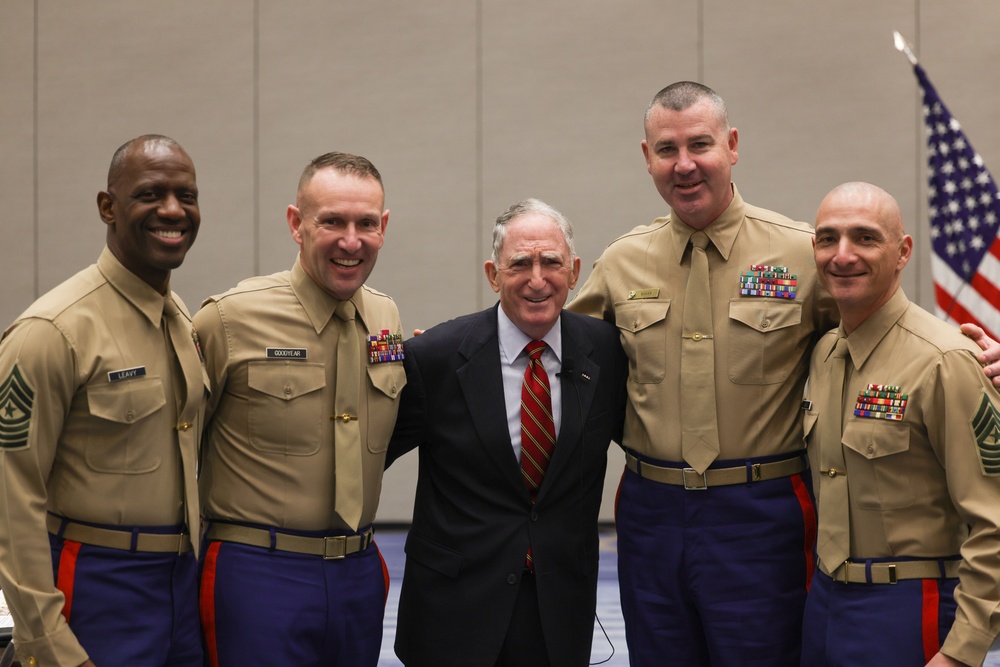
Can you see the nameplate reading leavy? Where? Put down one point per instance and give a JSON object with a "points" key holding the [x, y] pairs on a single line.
{"points": [[127, 374]]}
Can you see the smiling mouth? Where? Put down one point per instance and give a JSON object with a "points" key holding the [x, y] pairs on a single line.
{"points": [[346, 263], [172, 234], [687, 186], [538, 300]]}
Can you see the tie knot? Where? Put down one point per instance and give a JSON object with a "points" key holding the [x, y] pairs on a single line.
{"points": [[345, 310], [535, 349], [841, 349], [699, 240]]}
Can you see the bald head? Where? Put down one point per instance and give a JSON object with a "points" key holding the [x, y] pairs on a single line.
{"points": [[860, 249]]}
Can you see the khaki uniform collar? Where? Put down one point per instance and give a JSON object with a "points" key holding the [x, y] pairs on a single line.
{"points": [[722, 231], [133, 288], [863, 340], [317, 303]]}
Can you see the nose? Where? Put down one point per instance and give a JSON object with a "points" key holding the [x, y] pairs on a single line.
{"points": [[350, 242], [845, 252], [536, 279], [170, 207], [684, 164]]}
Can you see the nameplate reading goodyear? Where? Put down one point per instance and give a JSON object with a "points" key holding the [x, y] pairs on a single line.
{"points": [[772, 281], [649, 293], [287, 353], [881, 401], [385, 347], [127, 374]]}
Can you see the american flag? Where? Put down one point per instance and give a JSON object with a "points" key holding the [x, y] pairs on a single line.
{"points": [[964, 215]]}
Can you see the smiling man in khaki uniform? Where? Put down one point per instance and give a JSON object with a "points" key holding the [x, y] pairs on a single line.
{"points": [[305, 368], [101, 399], [902, 429]]}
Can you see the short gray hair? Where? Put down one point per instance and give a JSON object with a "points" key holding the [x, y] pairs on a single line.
{"points": [[683, 94], [524, 207]]}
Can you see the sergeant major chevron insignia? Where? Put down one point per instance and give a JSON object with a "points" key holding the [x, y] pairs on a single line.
{"points": [[986, 427], [17, 400]]}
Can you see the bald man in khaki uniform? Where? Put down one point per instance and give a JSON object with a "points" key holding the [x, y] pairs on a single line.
{"points": [[902, 429], [293, 464], [102, 395]]}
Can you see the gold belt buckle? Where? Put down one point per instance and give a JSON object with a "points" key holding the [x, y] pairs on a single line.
{"points": [[339, 553], [688, 487]]}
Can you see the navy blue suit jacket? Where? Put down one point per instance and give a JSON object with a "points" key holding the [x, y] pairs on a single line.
{"points": [[473, 519]]}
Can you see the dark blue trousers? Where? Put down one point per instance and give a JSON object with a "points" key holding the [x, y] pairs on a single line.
{"points": [[130, 608], [715, 577], [881, 625], [262, 607]]}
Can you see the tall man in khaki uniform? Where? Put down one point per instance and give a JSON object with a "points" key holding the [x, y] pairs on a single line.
{"points": [[101, 403], [305, 369], [902, 429], [715, 521]]}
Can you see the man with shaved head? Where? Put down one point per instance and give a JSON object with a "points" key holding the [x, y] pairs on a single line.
{"points": [[902, 428], [102, 396]]}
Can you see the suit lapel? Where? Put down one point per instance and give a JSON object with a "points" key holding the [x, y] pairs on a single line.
{"points": [[578, 391], [482, 389]]}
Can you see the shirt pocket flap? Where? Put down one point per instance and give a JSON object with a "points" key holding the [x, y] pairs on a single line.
{"points": [[389, 378], [126, 402], [876, 438], [433, 556], [287, 380], [634, 316], [764, 315]]}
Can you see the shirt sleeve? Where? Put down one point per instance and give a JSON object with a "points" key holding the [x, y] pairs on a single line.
{"points": [[594, 298], [38, 372], [964, 427]]}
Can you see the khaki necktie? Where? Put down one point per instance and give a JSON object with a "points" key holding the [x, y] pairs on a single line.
{"points": [[187, 402], [699, 419], [833, 541], [349, 487]]}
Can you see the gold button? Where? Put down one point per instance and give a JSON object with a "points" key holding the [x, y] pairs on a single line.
{"points": [[288, 390], [393, 390], [871, 449], [696, 336], [765, 324], [32, 662], [129, 416], [832, 472], [183, 426]]}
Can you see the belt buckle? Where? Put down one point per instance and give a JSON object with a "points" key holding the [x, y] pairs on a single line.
{"points": [[340, 552], [688, 487], [892, 573]]}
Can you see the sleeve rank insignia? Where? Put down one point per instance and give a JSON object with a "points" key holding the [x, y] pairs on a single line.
{"points": [[986, 427], [17, 399]]}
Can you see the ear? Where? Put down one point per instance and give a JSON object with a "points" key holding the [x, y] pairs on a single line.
{"points": [[734, 142], [294, 217], [385, 223], [575, 275], [905, 251], [106, 207], [645, 155], [492, 274]]}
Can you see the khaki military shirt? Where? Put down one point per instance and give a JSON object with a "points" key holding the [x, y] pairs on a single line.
{"points": [[761, 342], [269, 456], [100, 414], [925, 484]]}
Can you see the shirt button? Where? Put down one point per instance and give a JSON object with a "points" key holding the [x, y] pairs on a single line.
{"points": [[129, 416], [288, 391], [765, 323], [511, 578], [871, 449], [534, 516], [393, 390]]}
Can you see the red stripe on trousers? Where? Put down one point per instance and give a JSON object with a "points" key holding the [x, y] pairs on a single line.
{"points": [[67, 574], [206, 603], [929, 619], [385, 576], [808, 525]]}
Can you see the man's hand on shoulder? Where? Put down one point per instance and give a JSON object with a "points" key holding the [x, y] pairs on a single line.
{"points": [[941, 660], [990, 357]]}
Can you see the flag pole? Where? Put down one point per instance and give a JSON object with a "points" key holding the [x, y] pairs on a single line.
{"points": [[903, 47]]}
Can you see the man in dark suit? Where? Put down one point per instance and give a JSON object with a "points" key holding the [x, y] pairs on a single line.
{"points": [[501, 564]]}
